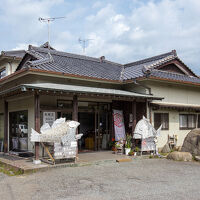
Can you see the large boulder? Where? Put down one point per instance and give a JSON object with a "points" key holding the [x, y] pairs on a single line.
{"points": [[180, 156], [192, 142], [166, 149]]}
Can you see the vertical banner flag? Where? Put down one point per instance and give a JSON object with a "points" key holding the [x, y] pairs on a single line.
{"points": [[119, 125]]}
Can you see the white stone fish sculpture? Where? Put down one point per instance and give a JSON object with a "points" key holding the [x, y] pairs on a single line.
{"points": [[144, 129], [148, 134], [57, 133]]}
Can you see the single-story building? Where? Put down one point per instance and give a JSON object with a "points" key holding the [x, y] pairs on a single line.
{"points": [[46, 84]]}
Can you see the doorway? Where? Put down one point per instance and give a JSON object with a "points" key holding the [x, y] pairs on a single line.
{"points": [[94, 125]]}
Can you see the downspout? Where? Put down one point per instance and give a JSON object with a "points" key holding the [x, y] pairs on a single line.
{"points": [[10, 68]]}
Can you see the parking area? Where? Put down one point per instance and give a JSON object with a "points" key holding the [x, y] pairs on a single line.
{"points": [[139, 179]]}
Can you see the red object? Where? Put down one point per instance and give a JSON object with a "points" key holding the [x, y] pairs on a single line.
{"points": [[113, 139], [118, 120]]}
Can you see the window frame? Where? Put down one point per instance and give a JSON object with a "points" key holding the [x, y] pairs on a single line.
{"points": [[188, 128], [162, 120]]}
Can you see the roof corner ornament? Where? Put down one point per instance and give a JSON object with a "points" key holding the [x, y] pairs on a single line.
{"points": [[102, 59], [146, 70], [174, 52]]}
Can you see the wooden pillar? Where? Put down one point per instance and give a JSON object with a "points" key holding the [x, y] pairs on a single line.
{"points": [[5, 126], [95, 131], [37, 122], [150, 113], [134, 116], [75, 116], [112, 122], [75, 108], [146, 108]]}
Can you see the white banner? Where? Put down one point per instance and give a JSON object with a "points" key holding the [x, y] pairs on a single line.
{"points": [[119, 125]]}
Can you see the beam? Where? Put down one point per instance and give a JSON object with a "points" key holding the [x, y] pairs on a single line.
{"points": [[37, 122], [5, 126]]}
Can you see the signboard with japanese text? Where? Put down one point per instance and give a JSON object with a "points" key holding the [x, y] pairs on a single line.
{"points": [[119, 125], [49, 117]]}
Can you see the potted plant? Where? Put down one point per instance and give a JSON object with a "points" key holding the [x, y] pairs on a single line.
{"points": [[111, 145], [128, 144], [137, 150], [131, 153]]}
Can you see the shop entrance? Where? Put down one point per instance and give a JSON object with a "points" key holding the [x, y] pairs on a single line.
{"points": [[94, 125], [18, 131]]}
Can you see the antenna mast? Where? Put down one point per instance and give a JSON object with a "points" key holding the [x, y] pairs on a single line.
{"points": [[48, 20], [84, 43]]}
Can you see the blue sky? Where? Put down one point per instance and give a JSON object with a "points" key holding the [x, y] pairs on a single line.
{"points": [[121, 30]]}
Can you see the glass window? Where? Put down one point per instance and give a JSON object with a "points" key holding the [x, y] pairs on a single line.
{"points": [[183, 121], [18, 130], [187, 121], [161, 118]]}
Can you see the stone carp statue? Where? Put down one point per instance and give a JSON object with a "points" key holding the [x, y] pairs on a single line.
{"points": [[60, 132]]}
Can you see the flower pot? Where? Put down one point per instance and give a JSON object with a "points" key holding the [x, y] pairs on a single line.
{"points": [[114, 149], [135, 153], [127, 150]]}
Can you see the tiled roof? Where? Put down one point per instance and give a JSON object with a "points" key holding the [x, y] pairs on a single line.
{"points": [[73, 64], [173, 76], [17, 53], [148, 68], [139, 68], [52, 60]]}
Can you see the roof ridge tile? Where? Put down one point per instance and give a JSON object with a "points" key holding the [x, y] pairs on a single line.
{"points": [[172, 53], [76, 56]]}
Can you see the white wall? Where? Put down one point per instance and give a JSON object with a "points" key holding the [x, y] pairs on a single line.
{"points": [[173, 127], [10, 67], [174, 93]]}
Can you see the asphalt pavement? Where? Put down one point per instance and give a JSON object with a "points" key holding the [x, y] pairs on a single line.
{"points": [[139, 179]]}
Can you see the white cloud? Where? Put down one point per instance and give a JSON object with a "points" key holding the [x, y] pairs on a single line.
{"points": [[151, 28], [22, 46], [21, 16], [123, 35]]}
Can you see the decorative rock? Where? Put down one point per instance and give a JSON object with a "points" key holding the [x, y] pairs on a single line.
{"points": [[166, 149], [180, 156], [192, 142], [197, 158], [37, 162]]}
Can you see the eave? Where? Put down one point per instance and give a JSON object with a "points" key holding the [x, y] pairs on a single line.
{"points": [[168, 80]]}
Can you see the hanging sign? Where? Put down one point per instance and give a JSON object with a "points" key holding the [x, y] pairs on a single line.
{"points": [[119, 125], [49, 117]]}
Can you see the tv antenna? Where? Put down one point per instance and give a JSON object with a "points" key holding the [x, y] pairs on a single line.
{"points": [[48, 20], [84, 43]]}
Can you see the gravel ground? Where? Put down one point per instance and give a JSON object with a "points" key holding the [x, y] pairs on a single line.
{"points": [[140, 179]]}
